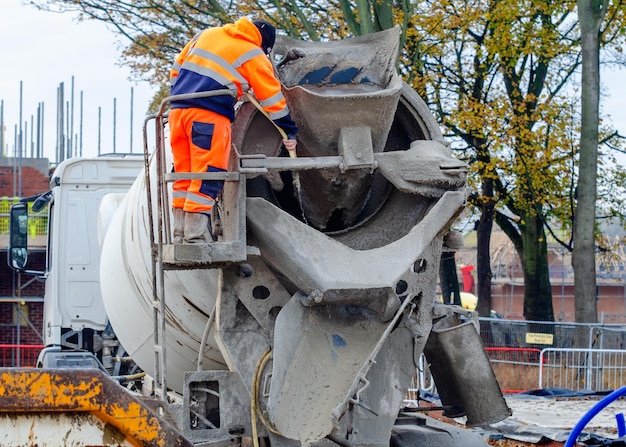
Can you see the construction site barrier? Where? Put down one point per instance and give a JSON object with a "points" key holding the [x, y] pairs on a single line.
{"points": [[24, 356], [497, 332], [582, 369], [516, 369], [530, 355], [422, 381], [37, 222], [514, 346]]}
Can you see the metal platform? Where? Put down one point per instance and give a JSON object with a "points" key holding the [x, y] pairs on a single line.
{"points": [[202, 256]]}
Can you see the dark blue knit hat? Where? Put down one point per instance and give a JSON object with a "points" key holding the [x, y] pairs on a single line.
{"points": [[268, 35]]}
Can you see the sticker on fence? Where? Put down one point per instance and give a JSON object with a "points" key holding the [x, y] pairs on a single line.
{"points": [[534, 338]]}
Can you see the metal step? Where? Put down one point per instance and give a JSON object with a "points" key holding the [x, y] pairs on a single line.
{"points": [[203, 256]]}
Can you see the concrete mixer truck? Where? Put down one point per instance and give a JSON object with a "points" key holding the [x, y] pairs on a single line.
{"points": [[303, 324]]}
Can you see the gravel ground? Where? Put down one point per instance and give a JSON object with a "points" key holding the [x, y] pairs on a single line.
{"points": [[540, 420], [564, 413], [550, 418]]}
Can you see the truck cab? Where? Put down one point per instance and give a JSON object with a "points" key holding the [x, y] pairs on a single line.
{"points": [[84, 194]]}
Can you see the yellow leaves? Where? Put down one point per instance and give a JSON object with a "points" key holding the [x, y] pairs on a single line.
{"points": [[527, 145], [453, 22], [531, 27], [448, 18]]}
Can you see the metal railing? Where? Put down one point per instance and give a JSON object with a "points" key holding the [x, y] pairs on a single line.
{"points": [[5, 206], [421, 381], [497, 332], [582, 369], [529, 355], [516, 369], [37, 222], [23, 356]]}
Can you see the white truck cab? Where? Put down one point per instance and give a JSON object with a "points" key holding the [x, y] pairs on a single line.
{"points": [[83, 197]]}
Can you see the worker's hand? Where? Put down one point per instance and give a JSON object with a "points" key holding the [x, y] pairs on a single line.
{"points": [[290, 144]]}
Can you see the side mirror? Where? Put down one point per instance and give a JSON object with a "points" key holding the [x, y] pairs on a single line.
{"points": [[18, 236], [41, 201]]}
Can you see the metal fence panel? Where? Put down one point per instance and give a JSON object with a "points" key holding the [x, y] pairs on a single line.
{"points": [[608, 337], [527, 355], [421, 381], [516, 369], [575, 356], [24, 356], [37, 222], [537, 334], [582, 369]]}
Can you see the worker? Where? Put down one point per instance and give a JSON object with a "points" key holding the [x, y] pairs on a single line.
{"points": [[468, 278], [233, 57]]}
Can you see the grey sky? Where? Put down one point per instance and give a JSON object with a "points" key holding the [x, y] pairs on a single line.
{"points": [[43, 49]]}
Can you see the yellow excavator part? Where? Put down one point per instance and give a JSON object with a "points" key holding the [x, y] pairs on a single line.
{"points": [[55, 400]]}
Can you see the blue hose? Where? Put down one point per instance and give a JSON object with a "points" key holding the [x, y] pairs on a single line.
{"points": [[621, 425], [578, 428]]}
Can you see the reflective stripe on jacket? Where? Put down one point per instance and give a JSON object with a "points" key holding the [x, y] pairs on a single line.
{"points": [[229, 57]]}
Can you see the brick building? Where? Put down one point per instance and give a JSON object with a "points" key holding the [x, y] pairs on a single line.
{"points": [[507, 282], [21, 295]]}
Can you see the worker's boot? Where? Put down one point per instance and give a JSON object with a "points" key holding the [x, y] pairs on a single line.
{"points": [[198, 228], [179, 225]]}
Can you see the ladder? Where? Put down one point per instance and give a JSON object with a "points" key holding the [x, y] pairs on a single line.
{"points": [[228, 218]]}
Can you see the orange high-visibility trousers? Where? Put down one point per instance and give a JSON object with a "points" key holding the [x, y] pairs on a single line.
{"points": [[200, 141]]}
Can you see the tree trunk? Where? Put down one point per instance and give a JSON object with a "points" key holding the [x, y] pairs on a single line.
{"points": [[590, 14], [483, 248], [449, 279], [537, 287]]}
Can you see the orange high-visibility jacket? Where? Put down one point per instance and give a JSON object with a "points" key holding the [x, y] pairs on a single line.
{"points": [[229, 57]]}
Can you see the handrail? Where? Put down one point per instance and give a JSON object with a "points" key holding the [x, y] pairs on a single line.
{"points": [[163, 227], [588, 367], [20, 355]]}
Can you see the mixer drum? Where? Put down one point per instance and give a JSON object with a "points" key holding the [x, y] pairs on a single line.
{"points": [[338, 203], [126, 283]]}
